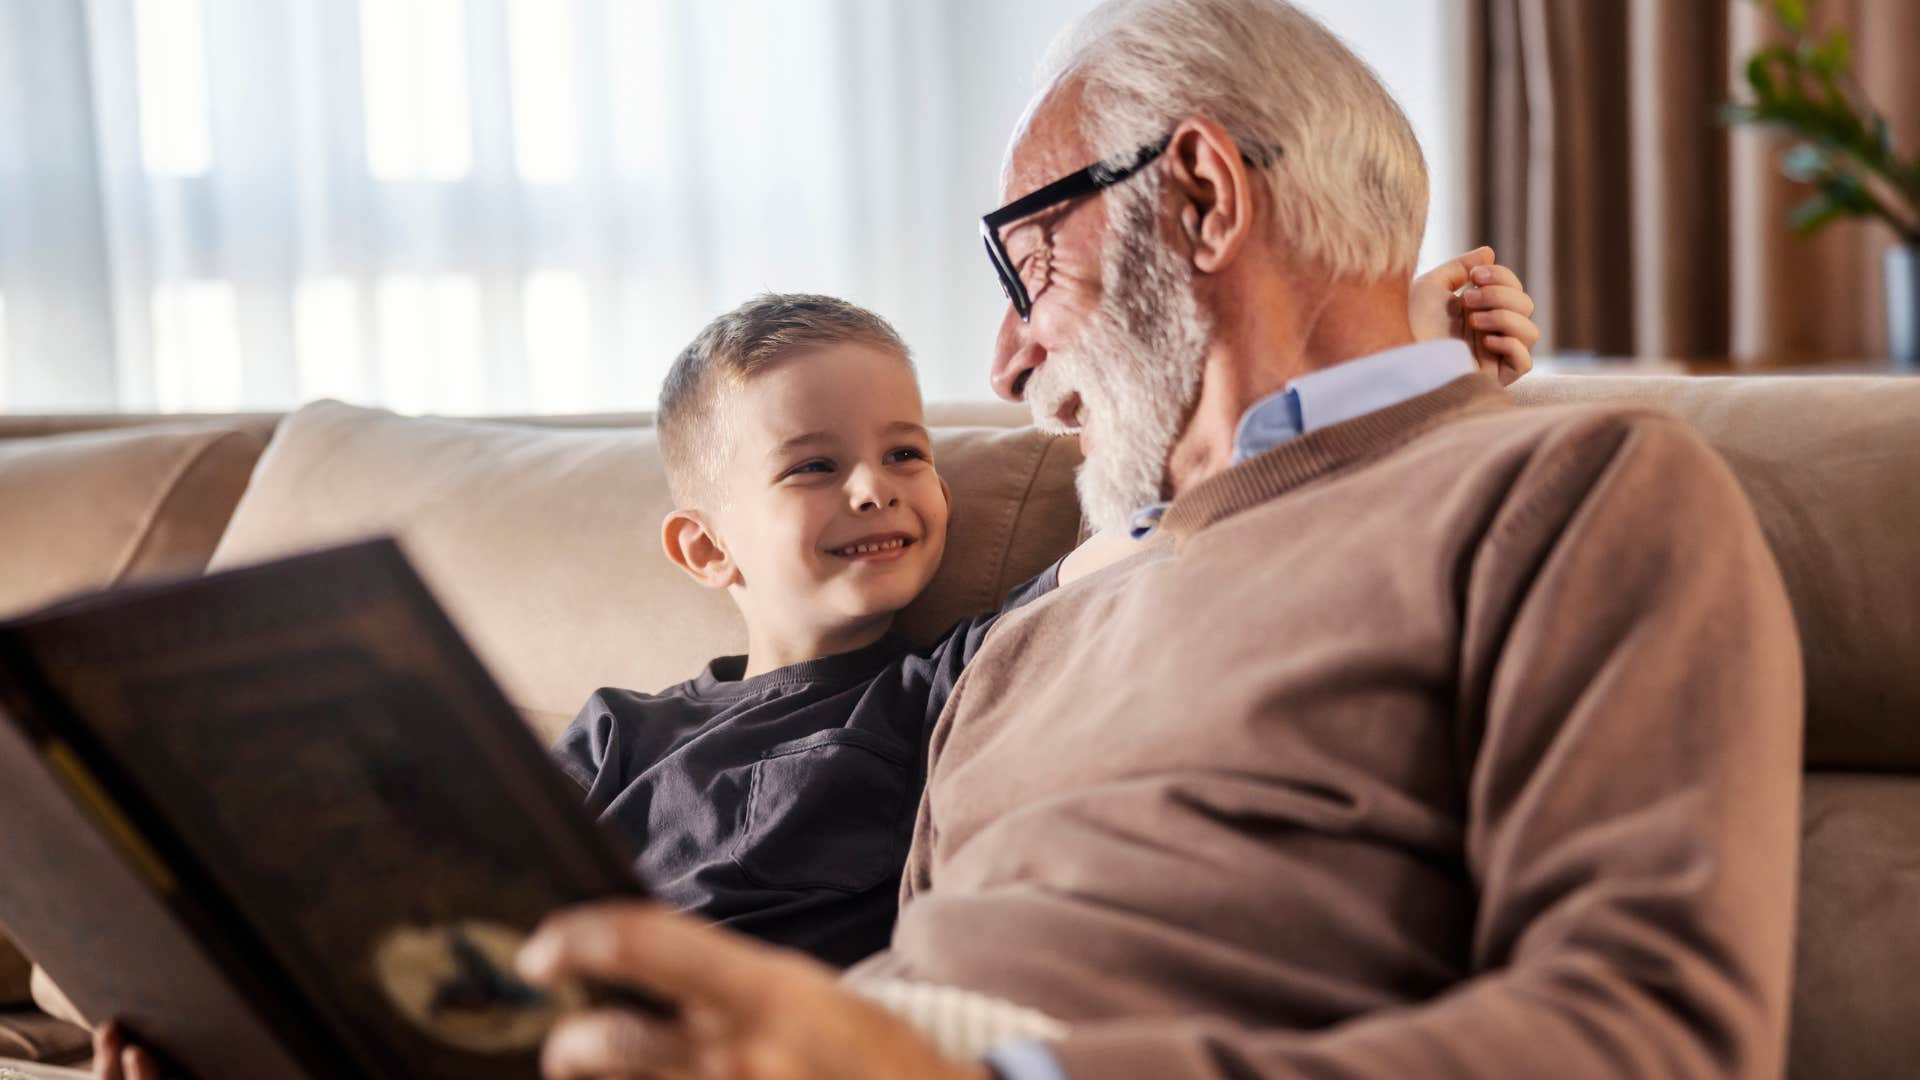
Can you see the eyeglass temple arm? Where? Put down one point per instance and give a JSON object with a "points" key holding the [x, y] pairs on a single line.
{"points": [[1097, 176]]}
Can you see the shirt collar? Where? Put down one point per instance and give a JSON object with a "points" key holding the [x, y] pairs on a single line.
{"points": [[1344, 391], [1332, 395]]}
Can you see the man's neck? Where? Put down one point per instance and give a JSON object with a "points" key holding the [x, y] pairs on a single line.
{"points": [[772, 648], [1279, 337]]}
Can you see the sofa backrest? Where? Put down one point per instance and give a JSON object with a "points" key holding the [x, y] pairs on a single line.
{"points": [[86, 509], [544, 543]]}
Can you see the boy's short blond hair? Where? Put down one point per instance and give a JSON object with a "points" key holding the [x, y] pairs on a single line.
{"points": [[692, 420]]}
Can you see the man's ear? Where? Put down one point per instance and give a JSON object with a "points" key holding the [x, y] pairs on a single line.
{"points": [[695, 547], [1215, 193]]}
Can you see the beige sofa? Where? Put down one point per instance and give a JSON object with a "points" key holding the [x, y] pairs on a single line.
{"points": [[539, 535]]}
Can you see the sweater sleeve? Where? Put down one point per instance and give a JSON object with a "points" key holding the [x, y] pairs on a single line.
{"points": [[1629, 746]]}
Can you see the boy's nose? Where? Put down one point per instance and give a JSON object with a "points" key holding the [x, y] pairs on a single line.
{"points": [[871, 489]]}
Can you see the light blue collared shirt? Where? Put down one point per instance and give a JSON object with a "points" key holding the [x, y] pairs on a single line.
{"points": [[1313, 401], [1331, 395]]}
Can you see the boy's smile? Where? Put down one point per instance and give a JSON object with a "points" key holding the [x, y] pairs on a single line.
{"points": [[879, 547]]}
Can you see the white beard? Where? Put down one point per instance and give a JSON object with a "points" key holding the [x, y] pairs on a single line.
{"points": [[1136, 366]]}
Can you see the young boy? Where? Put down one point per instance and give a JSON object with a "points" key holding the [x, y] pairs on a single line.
{"points": [[776, 791]]}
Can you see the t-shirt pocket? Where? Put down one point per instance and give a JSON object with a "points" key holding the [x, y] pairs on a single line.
{"points": [[828, 812]]}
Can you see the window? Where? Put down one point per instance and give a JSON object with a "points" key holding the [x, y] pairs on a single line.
{"points": [[430, 356], [169, 41], [414, 60], [546, 120], [196, 347], [512, 205]]}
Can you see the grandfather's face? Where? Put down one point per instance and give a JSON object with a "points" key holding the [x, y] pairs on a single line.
{"points": [[1116, 342]]}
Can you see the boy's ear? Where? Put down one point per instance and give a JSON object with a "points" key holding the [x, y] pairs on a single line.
{"points": [[695, 548], [945, 493]]}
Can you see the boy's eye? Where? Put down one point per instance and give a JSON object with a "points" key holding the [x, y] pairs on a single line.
{"points": [[817, 465], [906, 453]]}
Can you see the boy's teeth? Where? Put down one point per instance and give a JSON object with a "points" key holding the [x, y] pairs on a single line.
{"points": [[862, 549]]}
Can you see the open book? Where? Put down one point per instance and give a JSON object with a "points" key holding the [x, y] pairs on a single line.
{"points": [[282, 823]]}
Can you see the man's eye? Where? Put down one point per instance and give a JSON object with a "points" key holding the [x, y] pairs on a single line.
{"points": [[906, 453], [1032, 269]]}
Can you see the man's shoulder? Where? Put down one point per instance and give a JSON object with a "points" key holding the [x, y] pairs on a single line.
{"points": [[1587, 429], [1568, 465], [1539, 455]]}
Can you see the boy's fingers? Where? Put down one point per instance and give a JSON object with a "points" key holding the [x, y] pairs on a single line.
{"points": [[1511, 358], [647, 946], [1496, 274], [1498, 296], [1510, 323], [611, 1042], [1456, 272]]}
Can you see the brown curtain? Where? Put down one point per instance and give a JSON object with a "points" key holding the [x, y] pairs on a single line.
{"points": [[1640, 224]]}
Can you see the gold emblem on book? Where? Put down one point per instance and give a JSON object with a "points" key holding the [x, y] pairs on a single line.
{"points": [[456, 983]]}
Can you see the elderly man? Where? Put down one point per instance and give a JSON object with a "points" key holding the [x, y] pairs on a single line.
{"points": [[1442, 738]]}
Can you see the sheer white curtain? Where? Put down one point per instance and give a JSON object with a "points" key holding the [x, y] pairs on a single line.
{"points": [[493, 205]]}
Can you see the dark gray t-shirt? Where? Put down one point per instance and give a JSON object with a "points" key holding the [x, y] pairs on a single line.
{"points": [[780, 805]]}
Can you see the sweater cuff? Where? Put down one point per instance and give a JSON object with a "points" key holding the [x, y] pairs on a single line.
{"points": [[1024, 1061]]}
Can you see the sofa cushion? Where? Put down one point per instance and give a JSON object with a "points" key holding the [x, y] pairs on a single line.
{"points": [[1857, 947], [543, 543], [1830, 464], [86, 510]]}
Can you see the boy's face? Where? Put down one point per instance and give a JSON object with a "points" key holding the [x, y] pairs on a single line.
{"points": [[832, 510]]}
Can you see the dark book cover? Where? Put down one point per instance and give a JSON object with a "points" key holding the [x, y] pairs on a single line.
{"points": [[281, 821]]}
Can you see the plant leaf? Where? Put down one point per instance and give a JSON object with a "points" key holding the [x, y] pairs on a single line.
{"points": [[1845, 191], [1813, 213], [1806, 163]]}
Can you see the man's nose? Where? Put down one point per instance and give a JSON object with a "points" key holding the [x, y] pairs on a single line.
{"points": [[1016, 357]]}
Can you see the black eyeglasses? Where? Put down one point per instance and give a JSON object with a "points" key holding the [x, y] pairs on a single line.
{"points": [[1085, 182]]}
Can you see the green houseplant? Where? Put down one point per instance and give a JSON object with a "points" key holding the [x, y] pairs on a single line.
{"points": [[1843, 149]]}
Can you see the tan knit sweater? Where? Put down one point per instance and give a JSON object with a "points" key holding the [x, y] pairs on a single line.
{"points": [[1454, 740]]}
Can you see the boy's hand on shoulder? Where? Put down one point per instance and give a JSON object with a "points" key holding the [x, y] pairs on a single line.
{"points": [[1473, 298]]}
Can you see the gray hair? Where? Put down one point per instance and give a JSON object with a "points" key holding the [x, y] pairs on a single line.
{"points": [[1350, 185]]}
